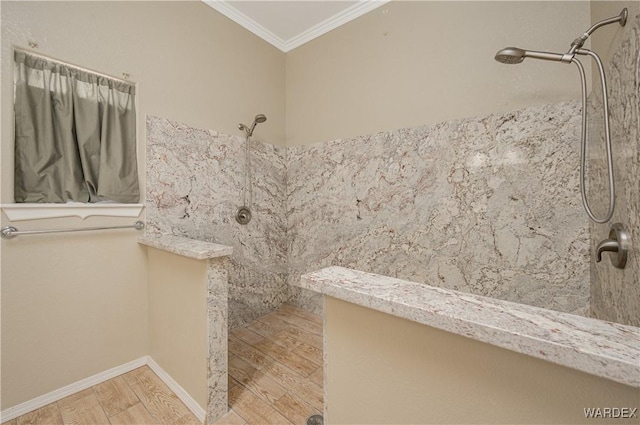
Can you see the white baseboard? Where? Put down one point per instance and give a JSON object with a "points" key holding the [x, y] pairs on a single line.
{"points": [[60, 393], [195, 408], [83, 384]]}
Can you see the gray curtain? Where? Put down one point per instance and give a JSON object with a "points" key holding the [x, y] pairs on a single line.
{"points": [[75, 134]]}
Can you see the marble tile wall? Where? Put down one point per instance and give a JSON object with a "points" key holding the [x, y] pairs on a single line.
{"points": [[194, 186], [487, 205], [615, 293], [217, 359]]}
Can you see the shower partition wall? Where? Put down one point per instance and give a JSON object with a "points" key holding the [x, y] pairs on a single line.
{"points": [[194, 186]]}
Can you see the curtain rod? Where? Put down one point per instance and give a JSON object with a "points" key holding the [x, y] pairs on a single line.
{"points": [[80, 68], [10, 232]]}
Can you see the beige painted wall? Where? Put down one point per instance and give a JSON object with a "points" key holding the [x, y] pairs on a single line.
{"points": [[178, 320], [73, 306], [383, 369], [411, 63]]}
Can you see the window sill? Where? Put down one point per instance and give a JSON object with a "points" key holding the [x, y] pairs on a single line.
{"points": [[20, 212]]}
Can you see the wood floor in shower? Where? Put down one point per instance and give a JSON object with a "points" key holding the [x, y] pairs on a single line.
{"points": [[275, 369], [275, 377]]}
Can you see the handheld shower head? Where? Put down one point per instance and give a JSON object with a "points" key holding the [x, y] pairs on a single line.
{"points": [[512, 55], [259, 119]]}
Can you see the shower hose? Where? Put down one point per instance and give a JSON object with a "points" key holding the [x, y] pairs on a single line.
{"points": [[607, 135]]}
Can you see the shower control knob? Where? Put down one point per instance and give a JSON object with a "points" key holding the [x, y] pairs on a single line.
{"points": [[243, 215], [617, 244]]}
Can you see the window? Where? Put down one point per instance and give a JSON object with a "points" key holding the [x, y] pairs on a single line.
{"points": [[75, 134]]}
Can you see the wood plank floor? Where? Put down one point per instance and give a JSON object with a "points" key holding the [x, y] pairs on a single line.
{"points": [[138, 397], [275, 369], [275, 377]]}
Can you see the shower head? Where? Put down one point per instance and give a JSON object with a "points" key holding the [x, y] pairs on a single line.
{"points": [[259, 119], [512, 55]]}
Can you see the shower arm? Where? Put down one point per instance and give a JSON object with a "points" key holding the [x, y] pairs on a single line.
{"points": [[579, 42], [513, 55]]}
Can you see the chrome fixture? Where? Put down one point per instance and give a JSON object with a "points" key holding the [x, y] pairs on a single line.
{"points": [[579, 42], [10, 232], [513, 55], [243, 214], [259, 119], [618, 243]]}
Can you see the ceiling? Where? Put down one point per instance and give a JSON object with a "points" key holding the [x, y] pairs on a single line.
{"points": [[287, 24]]}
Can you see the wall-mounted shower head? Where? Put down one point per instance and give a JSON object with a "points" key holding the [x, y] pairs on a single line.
{"points": [[512, 55], [259, 119]]}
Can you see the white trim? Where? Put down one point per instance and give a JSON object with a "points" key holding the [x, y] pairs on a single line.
{"points": [[60, 393], [195, 408], [243, 20], [317, 30], [347, 15], [20, 212], [83, 384]]}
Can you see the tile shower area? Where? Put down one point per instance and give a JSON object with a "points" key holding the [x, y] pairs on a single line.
{"points": [[461, 204], [488, 205]]}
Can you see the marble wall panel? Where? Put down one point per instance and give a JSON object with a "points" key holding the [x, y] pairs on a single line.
{"points": [[487, 205], [614, 292], [194, 186], [217, 360]]}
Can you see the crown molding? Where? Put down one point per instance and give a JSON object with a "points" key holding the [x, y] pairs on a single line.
{"points": [[347, 15], [333, 22], [243, 20]]}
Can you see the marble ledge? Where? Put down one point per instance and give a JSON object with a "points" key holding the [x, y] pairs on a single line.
{"points": [[192, 248], [605, 349]]}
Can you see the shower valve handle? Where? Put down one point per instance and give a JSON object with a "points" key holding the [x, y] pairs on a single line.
{"points": [[618, 242], [608, 245]]}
